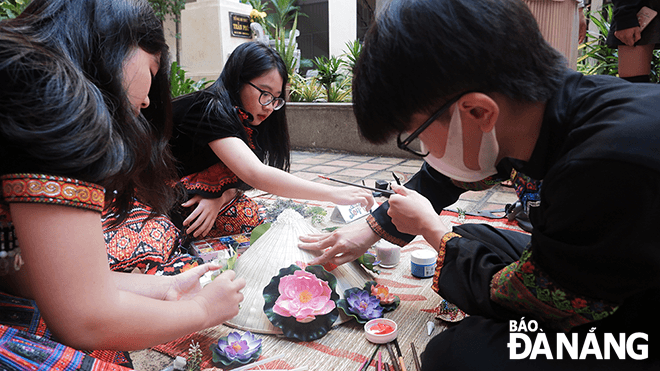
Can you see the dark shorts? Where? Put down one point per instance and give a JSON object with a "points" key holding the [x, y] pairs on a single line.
{"points": [[650, 35]]}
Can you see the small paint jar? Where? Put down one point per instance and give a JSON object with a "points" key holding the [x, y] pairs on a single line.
{"points": [[422, 263], [388, 253]]}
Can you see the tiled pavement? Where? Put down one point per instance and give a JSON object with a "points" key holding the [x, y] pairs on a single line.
{"points": [[358, 168]]}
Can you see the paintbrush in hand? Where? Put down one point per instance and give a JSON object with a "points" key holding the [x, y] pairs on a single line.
{"points": [[385, 192]]}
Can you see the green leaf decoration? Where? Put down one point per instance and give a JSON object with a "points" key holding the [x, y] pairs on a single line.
{"points": [[258, 232], [368, 260], [229, 265]]}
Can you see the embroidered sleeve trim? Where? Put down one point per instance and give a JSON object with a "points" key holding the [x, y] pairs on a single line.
{"points": [[525, 288], [441, 259], [382, 233], [48, 189]]}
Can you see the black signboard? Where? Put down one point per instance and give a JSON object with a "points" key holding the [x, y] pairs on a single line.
{"points": [[240, 25]]}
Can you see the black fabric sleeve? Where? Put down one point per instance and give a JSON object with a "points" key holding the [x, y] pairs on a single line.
{"points": [[194, 117], [436, 187], [625, 13], [596, 230], [471, 261]]}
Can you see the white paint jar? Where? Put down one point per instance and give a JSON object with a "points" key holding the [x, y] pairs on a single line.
{"points": [[422, 263], [388, 253]]}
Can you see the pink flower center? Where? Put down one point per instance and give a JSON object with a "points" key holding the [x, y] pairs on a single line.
{"points": [[305, 296]]}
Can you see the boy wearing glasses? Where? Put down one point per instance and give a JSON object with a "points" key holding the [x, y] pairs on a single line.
{"points": [[488, 99]]}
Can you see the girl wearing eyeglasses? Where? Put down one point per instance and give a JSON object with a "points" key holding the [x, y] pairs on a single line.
{"points": [[233, 136]]}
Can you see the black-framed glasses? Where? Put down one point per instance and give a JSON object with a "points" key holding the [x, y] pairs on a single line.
{"points": [[404, 144], [266, 98]]}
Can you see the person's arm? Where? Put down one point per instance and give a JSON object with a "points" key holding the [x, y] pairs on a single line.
{"points": [[66, 271], [428, 182], [342, 245], [202, 218], [582, 25], [240, 159], [181, 286], [624, 14], [348, 243], [414, 214], [624, 17]]}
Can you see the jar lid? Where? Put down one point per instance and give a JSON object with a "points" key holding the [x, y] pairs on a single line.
{"points": [[424, 257]]}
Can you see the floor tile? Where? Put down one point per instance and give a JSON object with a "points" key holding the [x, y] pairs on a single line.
{"points": [[323, 169], [472, 196], [386, 160], [296, 166], [306, 175], [342, 163], [329, 156], [368, 169], [405, 169], [416, 163], [355, 172], [357, 158]]}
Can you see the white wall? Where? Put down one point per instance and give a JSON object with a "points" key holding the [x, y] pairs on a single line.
{"points": [[342, 24], [206, 39]]}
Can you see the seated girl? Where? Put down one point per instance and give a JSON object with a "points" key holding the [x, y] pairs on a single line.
{"points": [[233, 136]]}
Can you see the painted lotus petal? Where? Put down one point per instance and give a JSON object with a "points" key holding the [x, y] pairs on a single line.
{"points": [[320, 284], [236, 348], [360, 305], [388, 306], [303, 296], [382, 292]]}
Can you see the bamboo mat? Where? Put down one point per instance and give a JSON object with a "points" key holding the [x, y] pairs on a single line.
{"points": [[344, 347]]}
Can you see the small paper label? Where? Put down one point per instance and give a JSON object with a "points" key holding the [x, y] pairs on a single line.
{"points": [[348, 213]]}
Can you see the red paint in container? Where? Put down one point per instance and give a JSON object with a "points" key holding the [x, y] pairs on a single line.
{"points": [[381, 329]]}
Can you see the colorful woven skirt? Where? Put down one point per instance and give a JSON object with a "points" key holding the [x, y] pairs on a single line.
{"points": [[148, 244], [27, 344]]}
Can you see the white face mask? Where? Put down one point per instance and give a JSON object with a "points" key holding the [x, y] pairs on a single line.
{"points": [[452, 164]]}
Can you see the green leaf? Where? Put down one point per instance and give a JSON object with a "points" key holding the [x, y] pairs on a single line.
{"points": [[180, 84], [258, 232], [367, 260]]}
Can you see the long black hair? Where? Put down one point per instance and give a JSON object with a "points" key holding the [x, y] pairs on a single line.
{"points": [[128, 154], [248, 61], [420, 53]]}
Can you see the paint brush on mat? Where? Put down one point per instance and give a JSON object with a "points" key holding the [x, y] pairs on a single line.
{"points": [[402, 364], [366, 365], [415, 357], [392, 357], [385, 192]]}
